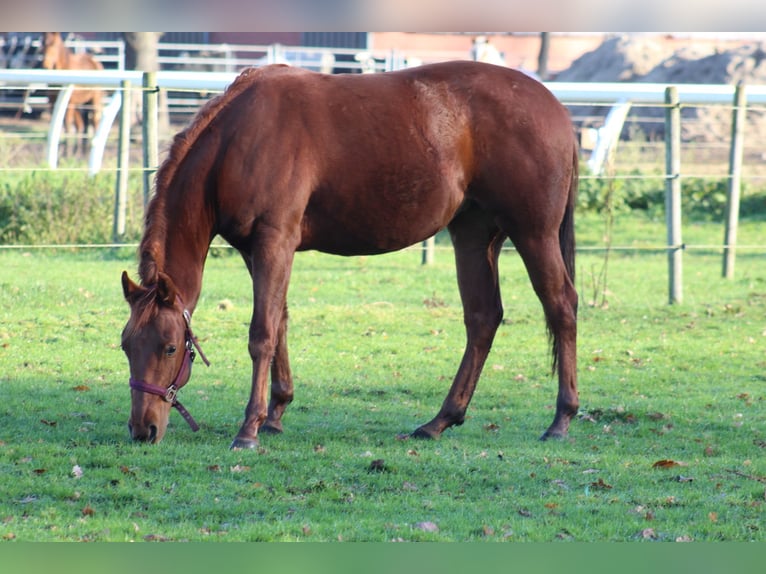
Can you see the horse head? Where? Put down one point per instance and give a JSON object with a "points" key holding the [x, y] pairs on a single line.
{"points": [[53, 50], [158, 343]]}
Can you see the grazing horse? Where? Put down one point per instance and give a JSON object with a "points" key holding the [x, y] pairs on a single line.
{"points": [[351, 164], [84, 101]]}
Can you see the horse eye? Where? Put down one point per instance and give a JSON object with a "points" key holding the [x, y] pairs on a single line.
{"points": [[170, 351]]}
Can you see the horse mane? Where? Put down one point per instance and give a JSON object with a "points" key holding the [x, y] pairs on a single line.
{"points": [[151, 252]]}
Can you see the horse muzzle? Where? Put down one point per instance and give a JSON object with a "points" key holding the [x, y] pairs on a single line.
{"points": [[141, 433], [149, 419]]}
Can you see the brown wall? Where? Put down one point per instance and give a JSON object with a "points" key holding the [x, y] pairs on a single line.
{"points": [[520, 51]]}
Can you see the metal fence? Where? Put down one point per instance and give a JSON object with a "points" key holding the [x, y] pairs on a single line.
{"points": [[209, 73]]}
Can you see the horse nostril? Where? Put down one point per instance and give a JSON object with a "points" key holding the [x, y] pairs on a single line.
{"points": [[143, 434]]}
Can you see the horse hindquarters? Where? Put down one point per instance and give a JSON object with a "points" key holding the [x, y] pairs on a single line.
{"points": [[546, 245]]}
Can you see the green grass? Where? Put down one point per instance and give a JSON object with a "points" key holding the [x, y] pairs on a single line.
{"points": [[374, 344]]}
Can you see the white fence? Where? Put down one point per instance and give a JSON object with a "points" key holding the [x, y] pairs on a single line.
{"points": [[613, 94], [618, 96]]}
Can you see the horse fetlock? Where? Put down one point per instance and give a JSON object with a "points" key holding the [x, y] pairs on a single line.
{"points": [[272, 427], [424, 432], [559, 428]]}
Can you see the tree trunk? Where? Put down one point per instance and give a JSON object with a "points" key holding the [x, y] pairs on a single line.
{"points": [[542, 58], [141, 53]]}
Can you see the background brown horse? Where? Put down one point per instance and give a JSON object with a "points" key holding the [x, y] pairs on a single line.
{"points": [[352, 164], [85, 104]]}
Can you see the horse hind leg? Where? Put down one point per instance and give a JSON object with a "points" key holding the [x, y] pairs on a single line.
{"points": [[92, 115], [74, 126], [69, 125], [553, 285], [83, 138], [281, 381], [477, 243], [97, 111]]}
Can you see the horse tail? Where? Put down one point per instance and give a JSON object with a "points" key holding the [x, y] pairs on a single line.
{"points": [[567, 227], [567, 243]]}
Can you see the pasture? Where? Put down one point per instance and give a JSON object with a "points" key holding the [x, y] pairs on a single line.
{"points": [[669, 444]]}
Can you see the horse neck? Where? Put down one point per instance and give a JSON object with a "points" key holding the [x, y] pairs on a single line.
{"points": [[64, 60], [180, 246]]}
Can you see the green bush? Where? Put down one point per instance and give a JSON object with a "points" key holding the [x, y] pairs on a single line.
{"points": [[632, 191], [61, 208], [42, 207], [702, 199]]}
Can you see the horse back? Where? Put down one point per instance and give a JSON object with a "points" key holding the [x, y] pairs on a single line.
{"points": [[384, 159]]}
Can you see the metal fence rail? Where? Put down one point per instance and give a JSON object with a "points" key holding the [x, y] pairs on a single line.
{"points": [[615, 95]]}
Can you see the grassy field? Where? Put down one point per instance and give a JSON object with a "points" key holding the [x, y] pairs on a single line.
{"points": [[669, 444]]}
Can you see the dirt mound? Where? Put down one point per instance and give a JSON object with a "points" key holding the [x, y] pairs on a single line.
{"points": [[619, 59], [643, 59]]}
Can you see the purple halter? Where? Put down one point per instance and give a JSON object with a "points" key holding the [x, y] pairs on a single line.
{"points": [[170, 393]]}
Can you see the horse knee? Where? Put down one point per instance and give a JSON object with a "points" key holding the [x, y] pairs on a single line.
{"points": [[260, 347]]}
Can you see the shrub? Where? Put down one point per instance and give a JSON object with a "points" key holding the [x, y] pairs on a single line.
{"points": [[632, 191], [61, 208], [702, 199], [42, 207]]}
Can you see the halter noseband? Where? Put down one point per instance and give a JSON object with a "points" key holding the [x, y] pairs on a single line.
{"points": [[170, 393]]}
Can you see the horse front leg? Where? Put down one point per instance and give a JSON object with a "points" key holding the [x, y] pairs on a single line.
{"points": [[270, 269], [281, 376]]}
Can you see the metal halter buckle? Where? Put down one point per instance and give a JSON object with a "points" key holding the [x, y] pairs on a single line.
{"points": [[170, 395], [190, 347]]}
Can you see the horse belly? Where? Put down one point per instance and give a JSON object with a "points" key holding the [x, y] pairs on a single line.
{"points": [[381, 221]]}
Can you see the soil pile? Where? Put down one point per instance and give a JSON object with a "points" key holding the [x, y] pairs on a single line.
{"points": [[643, 59]]}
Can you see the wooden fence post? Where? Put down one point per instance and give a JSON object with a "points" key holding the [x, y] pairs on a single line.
{"points": [[150, 138], [736, 152], [123, 158], [673, 194]]}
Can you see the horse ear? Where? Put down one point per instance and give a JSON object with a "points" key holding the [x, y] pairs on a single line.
{"points": [[166, 289], [129, 288]]}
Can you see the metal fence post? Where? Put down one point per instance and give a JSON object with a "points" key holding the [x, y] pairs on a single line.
{"points": [[673, 194], [429, 246], [735, 181], [150, 137], [123, 159]]}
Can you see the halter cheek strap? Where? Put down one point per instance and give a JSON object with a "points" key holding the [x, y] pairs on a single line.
{"points": [[170, 393]]}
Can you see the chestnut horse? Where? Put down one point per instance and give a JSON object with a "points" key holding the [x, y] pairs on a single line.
{"points": [[351, 164], [84, 101]]}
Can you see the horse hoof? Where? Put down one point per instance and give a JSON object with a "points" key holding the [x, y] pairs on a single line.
{"points": [[240, 443], [556, 435], [271, 428], [424, 433]]}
